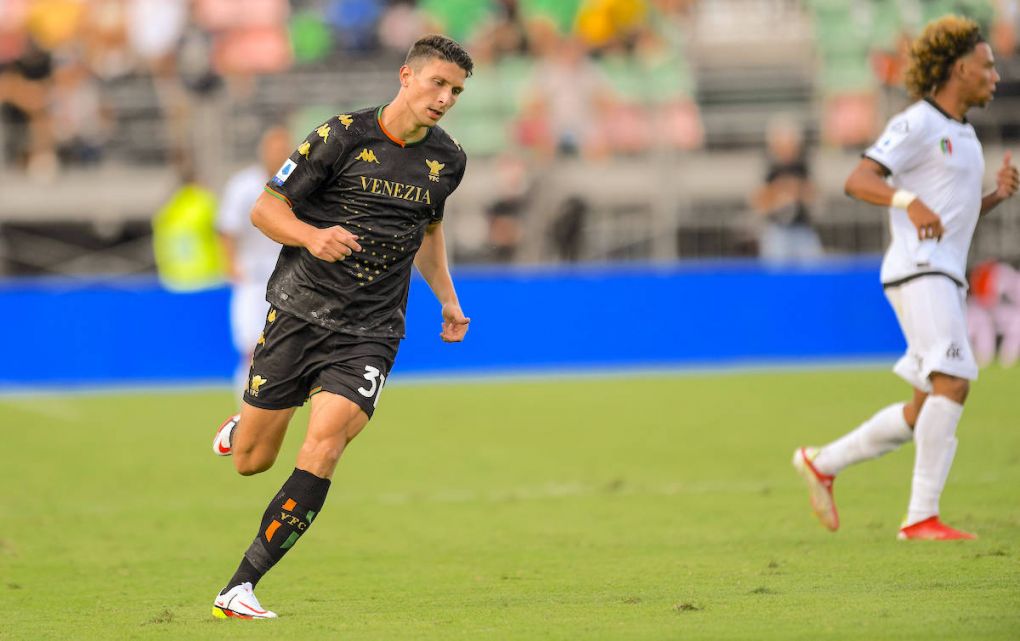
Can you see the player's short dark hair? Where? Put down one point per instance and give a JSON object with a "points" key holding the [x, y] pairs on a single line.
{"points": [[933, 53], [437, 46]]}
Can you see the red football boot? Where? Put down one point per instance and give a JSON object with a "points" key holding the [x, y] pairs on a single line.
{"points": [[932, 529]]}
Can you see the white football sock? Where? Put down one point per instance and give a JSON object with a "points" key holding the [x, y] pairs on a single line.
{"points": [[883, 432], [935, 439]]}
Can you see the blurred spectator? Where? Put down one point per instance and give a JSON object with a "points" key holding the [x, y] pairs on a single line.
{"points": [[55, 23], [106, 47], [194, 61], [249, 36], [310, 37], [12, 30], [458, 19], [599, 23], [785, 199], [560, 14], [400, 25], [154, 28], [505, 214], [569, 98], [25, 93], [993, 313], [654, 105], [847, 85], [250, 255], [1004, 34], [567, 230], [187, 251], [354, 22], [81, 121], [484, 124]]}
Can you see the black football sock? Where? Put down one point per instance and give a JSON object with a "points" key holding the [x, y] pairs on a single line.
{"points": [[288, 516]]}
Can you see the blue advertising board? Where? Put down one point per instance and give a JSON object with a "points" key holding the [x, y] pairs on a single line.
{"points": [[60, 332]]}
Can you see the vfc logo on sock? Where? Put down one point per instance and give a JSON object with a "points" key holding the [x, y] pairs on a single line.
{"points": [[287, 517]]}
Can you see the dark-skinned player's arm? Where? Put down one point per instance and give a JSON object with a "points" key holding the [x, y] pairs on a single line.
{"points": [[867, 183], [1007, 180], [275, 219], [431, 261]]}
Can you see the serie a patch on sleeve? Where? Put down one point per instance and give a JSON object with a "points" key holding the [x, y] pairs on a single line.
{"points": [[894, 135], [284, 173]]}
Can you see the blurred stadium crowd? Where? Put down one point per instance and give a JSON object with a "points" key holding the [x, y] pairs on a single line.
{"points": [[596, 129]]}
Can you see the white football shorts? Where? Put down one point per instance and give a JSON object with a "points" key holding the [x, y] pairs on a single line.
{"points": [[932, 314], [248, 309]]}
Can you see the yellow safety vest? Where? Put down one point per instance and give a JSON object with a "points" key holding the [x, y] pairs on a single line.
{"points": [[188, 253]]}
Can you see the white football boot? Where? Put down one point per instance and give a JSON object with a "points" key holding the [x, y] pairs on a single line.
{"points": [[224, 435], [819, 487], [239, 602]]}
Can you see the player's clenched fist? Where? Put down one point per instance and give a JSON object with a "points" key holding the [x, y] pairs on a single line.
{"points": [[1007, 180], [332, 244]]}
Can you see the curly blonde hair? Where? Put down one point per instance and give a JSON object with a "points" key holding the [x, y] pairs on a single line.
{"points": [[932, 54]]}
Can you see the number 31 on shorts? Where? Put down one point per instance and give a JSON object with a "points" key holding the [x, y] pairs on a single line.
{"points": [[377, 379]]}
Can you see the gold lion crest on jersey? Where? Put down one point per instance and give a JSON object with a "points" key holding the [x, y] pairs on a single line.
{"points": [[434, 168]]}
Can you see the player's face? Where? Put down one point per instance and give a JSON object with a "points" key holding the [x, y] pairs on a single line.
{"points": [[978, 75], [433, 89], [275, 148]]}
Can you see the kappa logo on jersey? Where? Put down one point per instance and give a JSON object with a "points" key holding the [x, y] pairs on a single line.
{"points": [[304, 148], [272, 316], [345, 120], [284, 173], [323, 132], [954, 352], [368, 155], [946, 145], [434, 168], [256, 383]]}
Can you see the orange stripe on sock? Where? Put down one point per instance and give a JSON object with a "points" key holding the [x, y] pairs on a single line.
{"points": [[289, 505], [271, 530]]}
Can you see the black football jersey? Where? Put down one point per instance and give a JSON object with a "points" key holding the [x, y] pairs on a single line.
{"points": [[351, 172]]}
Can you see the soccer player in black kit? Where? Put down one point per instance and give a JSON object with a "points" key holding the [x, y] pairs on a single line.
{"points": [[356, 205]]}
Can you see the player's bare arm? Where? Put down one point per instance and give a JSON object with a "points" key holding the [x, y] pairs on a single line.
{"points": [[432, 263], [1007, 180], [229, 246], [867, 183], [275, 219]]}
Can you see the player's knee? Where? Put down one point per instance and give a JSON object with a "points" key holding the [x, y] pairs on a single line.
{"points": [[959, 388], [324, 453], [250, 463], [952, 387]]}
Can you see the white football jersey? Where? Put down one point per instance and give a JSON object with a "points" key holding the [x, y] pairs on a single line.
{"points": [[256, 252], [940, 159]]}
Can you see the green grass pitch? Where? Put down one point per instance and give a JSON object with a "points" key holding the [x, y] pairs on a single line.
{"points": [[644, 507]]}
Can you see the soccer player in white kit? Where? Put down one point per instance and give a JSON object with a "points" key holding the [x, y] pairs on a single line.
{"points": [[927, 167], [251, 255]]}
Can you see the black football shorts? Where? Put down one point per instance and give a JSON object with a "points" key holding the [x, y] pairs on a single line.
{"points": [[295, 359]]}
